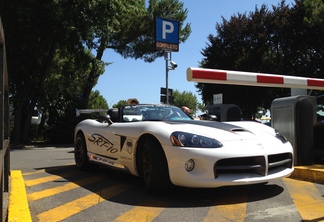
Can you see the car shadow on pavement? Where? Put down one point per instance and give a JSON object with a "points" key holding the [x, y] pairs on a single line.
{"points": [[130, 190]]}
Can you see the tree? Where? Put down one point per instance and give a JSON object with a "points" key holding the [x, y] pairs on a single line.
{"points": [[97, 101], [120, 104], [185, 98], [314, 12], [63, 88], [274, 41], [42, 35], [127, 27]]}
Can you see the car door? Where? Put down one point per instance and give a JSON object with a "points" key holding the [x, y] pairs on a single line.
{"points": [[104, 141]]}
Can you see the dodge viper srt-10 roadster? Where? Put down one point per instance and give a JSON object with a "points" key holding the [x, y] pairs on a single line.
{"points": [[168, 148]]}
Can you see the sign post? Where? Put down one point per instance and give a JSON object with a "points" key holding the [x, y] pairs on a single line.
{"points": [[167, 39]]}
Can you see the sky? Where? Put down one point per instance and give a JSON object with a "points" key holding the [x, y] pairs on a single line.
{"points": [[130, 78]]}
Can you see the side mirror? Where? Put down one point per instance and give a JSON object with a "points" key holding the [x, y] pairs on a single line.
{"points": [[212, 117], [104, 118]]}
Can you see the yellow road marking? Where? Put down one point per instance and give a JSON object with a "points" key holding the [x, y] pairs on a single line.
{"points": [[308, 200], [66, 210], [32, 173], [18, 204], [41, 180], [141, 213], [60, 189], [230, 208]]}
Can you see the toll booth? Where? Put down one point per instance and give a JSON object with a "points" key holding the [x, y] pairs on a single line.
{"points": [[294, 117], [225, 112]]}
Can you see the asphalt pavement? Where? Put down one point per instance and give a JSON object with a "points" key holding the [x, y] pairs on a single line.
{"points": [[17, 204]]}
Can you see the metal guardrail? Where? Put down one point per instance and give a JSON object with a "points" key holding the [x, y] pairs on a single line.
{"points": [[4, 124]]}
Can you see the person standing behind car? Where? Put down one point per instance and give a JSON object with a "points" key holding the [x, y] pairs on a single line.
{"points": [[132, 101]]}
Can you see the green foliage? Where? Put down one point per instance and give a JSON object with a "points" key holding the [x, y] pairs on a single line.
{"points": [[32, 134], [120, 104], [185, 98], [55, 49], [62, 119], [314, 12], [274, 41], [142, 44], [97, 101]]}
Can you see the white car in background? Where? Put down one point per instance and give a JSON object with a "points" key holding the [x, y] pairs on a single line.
{"points": [[167, 148]]}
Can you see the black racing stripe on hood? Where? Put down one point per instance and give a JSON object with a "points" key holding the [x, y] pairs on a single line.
{"points": [[212, 124]]}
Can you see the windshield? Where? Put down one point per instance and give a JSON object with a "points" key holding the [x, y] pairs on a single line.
{"points": [[153, 113]]}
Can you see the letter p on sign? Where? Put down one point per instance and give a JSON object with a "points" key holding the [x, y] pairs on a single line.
{"points": [[167, 27]]}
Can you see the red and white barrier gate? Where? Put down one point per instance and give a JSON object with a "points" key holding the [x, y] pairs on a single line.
{"points": [[293, 116], [252, 79]]}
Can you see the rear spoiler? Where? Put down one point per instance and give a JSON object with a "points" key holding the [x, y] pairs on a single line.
{"points": [[88, 111]]}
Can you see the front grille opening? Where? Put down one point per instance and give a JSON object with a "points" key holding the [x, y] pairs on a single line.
{"points": [[241, 165], [280, 160]]}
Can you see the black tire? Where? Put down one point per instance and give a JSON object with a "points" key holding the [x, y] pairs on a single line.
{"points": [[80, 153], [155, 168]]}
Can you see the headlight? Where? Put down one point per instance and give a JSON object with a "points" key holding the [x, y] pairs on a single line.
{"points": [[193, 140], [281, 137]]}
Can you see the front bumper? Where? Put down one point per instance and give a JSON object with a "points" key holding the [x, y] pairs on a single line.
{"points": [[229, 166]]}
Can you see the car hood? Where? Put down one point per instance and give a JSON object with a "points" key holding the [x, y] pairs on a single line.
{"points": [[213, 124], [242, 130]]}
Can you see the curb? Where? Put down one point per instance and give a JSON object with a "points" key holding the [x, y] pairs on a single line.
{"points": [[18, 209], [313, 173]]}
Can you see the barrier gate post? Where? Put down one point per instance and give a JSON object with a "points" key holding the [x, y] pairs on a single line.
{"points": [[295, 117]]}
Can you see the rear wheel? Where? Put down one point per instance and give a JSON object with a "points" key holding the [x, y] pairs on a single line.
{"points": [[80, 153], [155, 167]]}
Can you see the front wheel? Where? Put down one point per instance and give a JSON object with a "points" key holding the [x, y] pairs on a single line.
{"points": [[80, 153], [155, 168]]}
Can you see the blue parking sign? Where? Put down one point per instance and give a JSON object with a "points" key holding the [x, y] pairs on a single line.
{"points": [[166, 34]]}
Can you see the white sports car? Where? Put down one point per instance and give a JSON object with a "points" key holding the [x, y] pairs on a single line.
{"points": [[167, 148]]}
